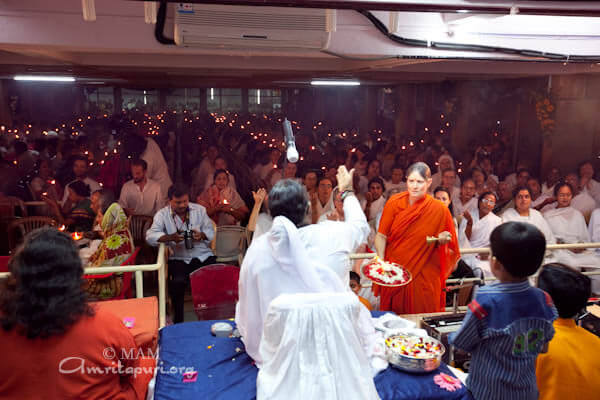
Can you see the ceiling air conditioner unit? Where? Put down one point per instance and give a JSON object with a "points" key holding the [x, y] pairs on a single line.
{"points": [[254, 28]]}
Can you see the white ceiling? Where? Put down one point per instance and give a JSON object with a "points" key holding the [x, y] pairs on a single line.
{"points": [[120, 48]]}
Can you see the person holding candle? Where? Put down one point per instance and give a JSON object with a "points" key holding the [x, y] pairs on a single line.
{"points": [[44, 184], [80, 218], [262, 170], [408, 219], [223, 203]]}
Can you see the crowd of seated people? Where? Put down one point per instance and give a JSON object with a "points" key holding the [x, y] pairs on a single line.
{"points": [[228, 164], [227, 183]]}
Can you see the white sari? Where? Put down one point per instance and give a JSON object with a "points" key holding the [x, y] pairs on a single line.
{"points": [[568, 226], [313, 259], [534, 218]]}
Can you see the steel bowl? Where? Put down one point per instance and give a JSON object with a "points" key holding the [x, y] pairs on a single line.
{"points": [[414, 364]]}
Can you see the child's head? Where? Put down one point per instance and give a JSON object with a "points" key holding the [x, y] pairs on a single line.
{"points": [[354, 282], [517, 250], [569, 288]]}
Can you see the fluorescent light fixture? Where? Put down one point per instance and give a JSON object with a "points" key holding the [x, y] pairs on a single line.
{"points": [[41, 78], [150, 11], [89, 10], [145, 98], [315, 82], [258, 96], [212, 93]]}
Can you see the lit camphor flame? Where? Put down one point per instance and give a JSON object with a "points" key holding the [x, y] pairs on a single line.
{"points": [[45, 194], [62, 228], [275, 166], [225, 201], [77, 235], [53, 182]]}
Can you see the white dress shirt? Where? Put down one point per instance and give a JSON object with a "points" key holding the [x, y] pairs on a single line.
{"points": [[166, 222], [143, 202]]}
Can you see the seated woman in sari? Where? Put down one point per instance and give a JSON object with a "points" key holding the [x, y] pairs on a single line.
{"points": [[115, 248], [568, 226], [223, 203]]}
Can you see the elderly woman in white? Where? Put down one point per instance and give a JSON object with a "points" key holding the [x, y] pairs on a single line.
{"points": [[568, 226], [475, 230]]}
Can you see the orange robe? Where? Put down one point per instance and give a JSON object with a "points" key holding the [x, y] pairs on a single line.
{"points": [[406, 228]]}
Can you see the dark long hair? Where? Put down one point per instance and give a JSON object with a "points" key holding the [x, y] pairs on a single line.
{"points": [[44, 295]]}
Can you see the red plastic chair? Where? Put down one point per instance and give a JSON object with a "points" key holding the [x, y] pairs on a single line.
{"points": [[127, 277], [4, 263], [215, 291]]}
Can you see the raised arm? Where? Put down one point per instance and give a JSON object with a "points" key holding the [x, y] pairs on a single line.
{"points": [[259, 197]]}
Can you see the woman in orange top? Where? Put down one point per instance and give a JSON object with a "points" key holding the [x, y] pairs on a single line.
{"points": [[408, 218], [55, 346]]}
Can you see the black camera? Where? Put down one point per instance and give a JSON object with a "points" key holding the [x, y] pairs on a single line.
{"points": [[188, 239]]}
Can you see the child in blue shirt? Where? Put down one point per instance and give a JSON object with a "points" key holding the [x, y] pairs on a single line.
{"points": [[508, 323]]}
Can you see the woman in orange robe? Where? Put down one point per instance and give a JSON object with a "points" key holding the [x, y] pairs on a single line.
{"points": [[408, 218]]}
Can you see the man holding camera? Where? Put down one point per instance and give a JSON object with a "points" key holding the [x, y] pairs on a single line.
{"points": [[187, 230]]}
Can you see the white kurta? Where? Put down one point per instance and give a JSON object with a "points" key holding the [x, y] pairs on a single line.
{"points": [[143, 202], [363, 183], [584, 203], [459, 208], [539, 200], [377, 207], [312, 259], [548, 190], [594, 227], [323, 209], [480, 237], [397, 187], [593, 189], [157, 166]]}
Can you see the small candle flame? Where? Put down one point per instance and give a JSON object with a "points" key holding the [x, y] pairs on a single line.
{"points": [[225, 201], [62, 228], [76, 235]]}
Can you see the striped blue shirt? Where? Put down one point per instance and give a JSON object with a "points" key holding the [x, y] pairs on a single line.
{"points": [[506, 327]]}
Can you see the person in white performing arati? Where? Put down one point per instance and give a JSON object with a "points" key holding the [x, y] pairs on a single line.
{"points": [[289, 259]]}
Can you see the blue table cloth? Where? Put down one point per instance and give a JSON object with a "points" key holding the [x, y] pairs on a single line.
{"points": [[225, 371]]}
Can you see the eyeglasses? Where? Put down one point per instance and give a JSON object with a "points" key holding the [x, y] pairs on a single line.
{"points": [[489, 202]]}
